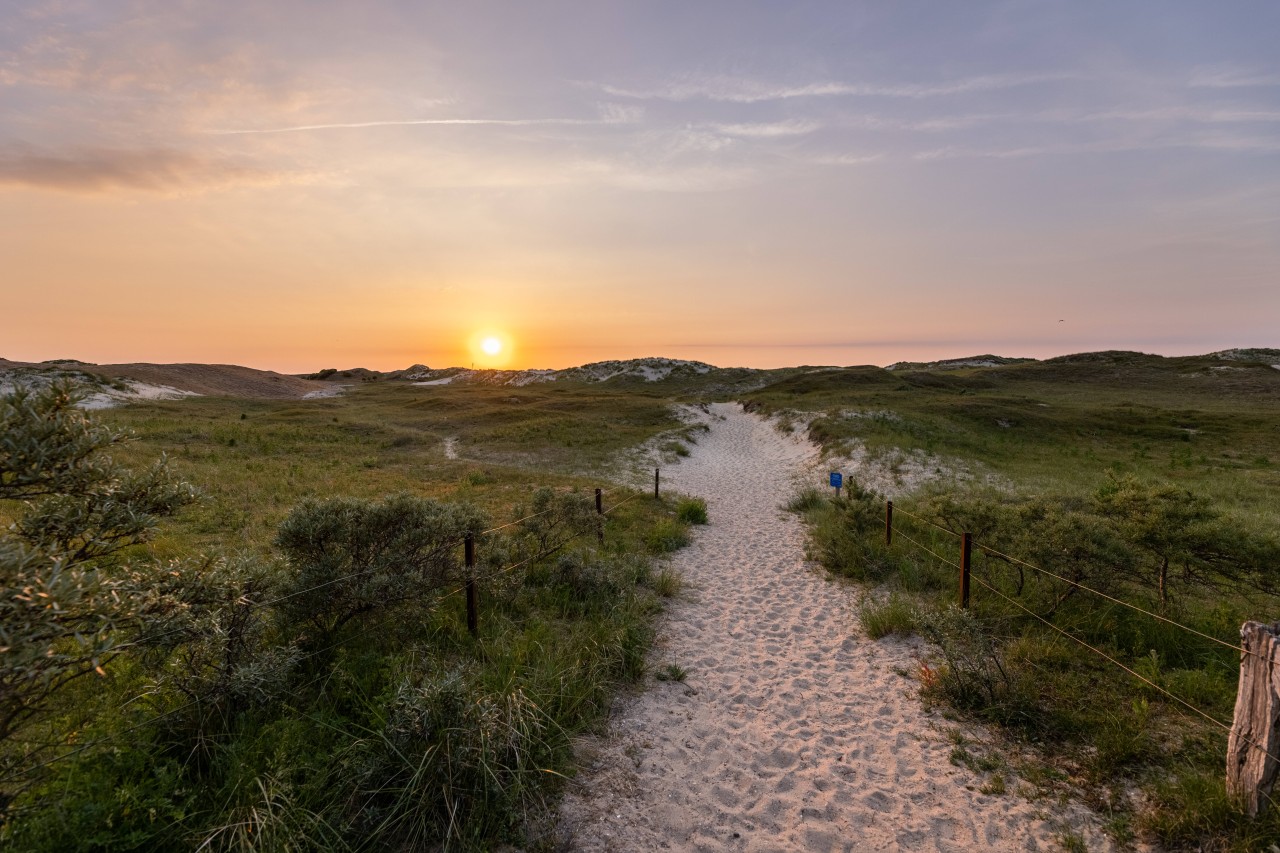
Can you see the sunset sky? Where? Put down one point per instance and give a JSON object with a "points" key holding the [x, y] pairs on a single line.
{"points": [[295, 185]]}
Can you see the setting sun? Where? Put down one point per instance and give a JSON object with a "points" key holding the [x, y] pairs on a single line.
{"points": [[491, 348]]}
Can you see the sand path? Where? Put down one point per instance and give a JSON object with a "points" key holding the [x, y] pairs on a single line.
{"points": [[792, 731]]}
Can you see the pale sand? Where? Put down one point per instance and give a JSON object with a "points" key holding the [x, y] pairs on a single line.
{"points": [[793, 731]]}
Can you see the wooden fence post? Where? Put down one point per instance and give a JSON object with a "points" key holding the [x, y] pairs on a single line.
{"points": [[655, 483], [966, 549], [888, 523], [600, 516], [1255, 732], [473, 603]]}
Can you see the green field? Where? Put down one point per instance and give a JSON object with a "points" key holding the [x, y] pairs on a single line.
{"points": [[261, 691]]}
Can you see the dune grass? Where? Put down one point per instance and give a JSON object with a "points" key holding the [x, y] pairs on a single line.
{"points": [[397, 729]]}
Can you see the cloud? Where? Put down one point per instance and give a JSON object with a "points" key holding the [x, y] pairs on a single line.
{"points": [[97, 170], [768, 130], [1230, 77], [1210, 142], [746, 91], [611, 116]]}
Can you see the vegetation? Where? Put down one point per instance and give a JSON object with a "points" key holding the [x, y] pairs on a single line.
{"points": [[692, 510], [1147, 480], [286, 664]]}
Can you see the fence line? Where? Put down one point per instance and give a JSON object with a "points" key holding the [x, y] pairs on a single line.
{"points": [[1225, 726], [1113, 599], [946, 530], [255, 604], [993, 552], [923, 548], [966, 574]]}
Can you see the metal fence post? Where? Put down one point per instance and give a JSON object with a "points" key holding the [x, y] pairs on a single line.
{"points": [[966, 549], [655, 484], [888, 523], [473, 603], [600, 516]]}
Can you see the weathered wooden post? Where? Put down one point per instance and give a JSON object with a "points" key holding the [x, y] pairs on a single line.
{"points": [[966, 550], [888, 523], [599, 516], [1255, 732], [655, 484], [473, 603]]}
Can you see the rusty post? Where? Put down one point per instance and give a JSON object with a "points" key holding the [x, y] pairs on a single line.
{"points": [[600, 516], [473, 603], [966, 550], [888, 523]]}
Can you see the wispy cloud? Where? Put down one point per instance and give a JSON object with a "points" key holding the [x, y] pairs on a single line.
{"points": [[96, 170], [1214, 142], [1231, 77], [426, 122], [748, 91], [768, 130]]}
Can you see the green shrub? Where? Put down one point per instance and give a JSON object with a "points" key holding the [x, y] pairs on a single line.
{"points": [[806, 500], [349, 557], [666, 535], [668, 583], [692, 510], [892, 615], [975, 677]]}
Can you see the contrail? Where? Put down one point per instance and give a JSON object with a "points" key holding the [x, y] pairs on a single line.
{"points": [[512, 122]]}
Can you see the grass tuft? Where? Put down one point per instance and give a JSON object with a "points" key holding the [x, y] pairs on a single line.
{"points": [[692, 510]]}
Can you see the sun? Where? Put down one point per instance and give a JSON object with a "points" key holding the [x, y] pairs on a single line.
{"points": [[491, 348]]}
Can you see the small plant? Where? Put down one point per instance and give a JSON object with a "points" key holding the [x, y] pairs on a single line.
{"points": [[668, 583], [666, 535], [1072, 841], [994, 786], [806, 500], [894, 615], [672, 672], [692, 510]]}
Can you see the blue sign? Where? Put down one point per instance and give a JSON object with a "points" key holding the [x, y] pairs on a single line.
{"points": [[837, 480]]}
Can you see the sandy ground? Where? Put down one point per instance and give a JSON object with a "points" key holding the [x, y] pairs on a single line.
{"points": [[792, 731]]}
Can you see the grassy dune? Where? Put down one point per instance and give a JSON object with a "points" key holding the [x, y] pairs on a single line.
{"points": [[277, 728]]}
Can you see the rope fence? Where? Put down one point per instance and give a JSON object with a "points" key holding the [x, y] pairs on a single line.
{"points": [[1257, 701]]}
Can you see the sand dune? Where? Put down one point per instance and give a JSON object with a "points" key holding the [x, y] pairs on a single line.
{"points": [[792, 731]]}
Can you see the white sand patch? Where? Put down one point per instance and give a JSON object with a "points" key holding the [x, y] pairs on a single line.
{"points": [[331, 391], [791, 732], [111, 397], [451, 448], [444, 381]]}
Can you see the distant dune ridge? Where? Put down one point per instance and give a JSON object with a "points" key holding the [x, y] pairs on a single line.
{"points": [[110, 384]]}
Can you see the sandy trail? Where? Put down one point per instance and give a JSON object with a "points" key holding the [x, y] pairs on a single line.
{"points": [[792, 731]]}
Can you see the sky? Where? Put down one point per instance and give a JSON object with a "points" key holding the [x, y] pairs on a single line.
{"points": [[299, 185]]}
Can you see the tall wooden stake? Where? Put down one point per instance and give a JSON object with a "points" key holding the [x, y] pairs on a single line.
{"points": [[888, 523], [1252, 766], [473, 603], [655, 484], [966, 549], [599, 516]]}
